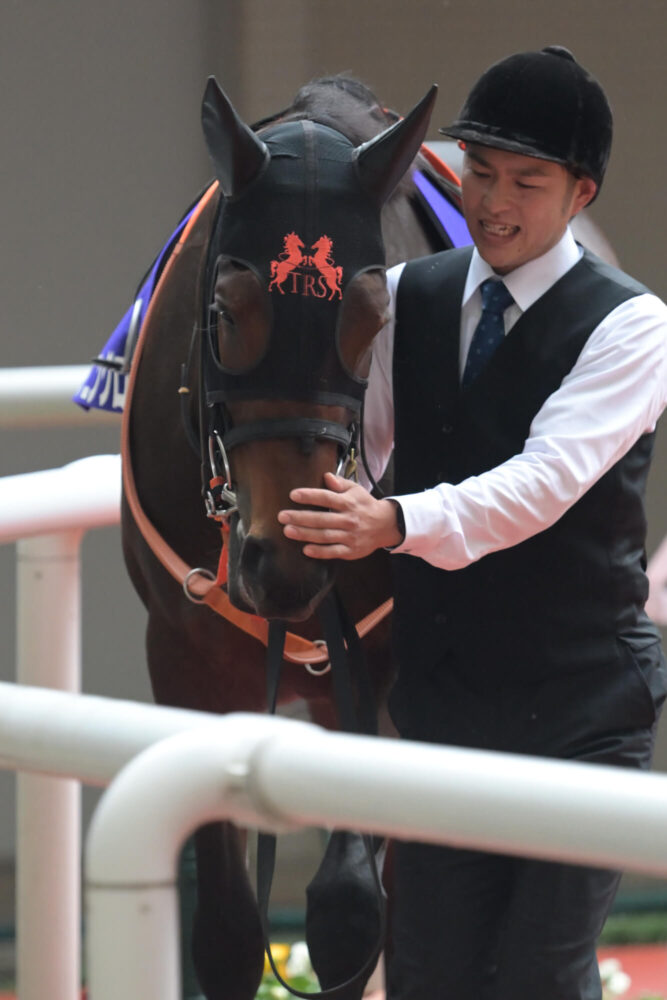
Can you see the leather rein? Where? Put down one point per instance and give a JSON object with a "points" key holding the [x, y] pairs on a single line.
{"points": [[199, 584]]}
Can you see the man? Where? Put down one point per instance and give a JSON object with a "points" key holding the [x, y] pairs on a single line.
{"points": [[523, 414]]}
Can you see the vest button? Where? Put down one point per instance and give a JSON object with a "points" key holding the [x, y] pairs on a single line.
{"points": [[440, 619], [447, 428]]}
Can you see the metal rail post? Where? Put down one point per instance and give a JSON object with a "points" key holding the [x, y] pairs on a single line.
{"points": [[48, 809], [48, 513]]}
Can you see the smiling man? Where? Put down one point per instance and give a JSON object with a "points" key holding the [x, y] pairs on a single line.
{"points": [[520, 383], [517, 206]]}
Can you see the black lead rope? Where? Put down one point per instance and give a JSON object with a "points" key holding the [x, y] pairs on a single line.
{"points": [[354, 715], [364, 719]]}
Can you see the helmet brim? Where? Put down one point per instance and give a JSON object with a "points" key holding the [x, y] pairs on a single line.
{"points": [[484, 136]]}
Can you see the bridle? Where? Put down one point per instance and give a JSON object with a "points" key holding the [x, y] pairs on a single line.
{"points": [[220, 499]]}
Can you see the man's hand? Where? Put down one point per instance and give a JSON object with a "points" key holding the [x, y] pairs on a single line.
{"points": [[352, 525]]}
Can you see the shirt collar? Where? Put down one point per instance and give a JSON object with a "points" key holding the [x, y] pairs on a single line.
{"points": [[529, 282]]}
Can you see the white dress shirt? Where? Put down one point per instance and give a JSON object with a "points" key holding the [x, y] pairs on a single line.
{"points": [[615, 393]]}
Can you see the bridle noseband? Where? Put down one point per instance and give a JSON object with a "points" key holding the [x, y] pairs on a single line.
{"points": [[220, 499]]}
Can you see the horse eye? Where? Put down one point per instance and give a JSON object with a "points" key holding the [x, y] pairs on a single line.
{"points": [[240, 336], [224, 315]]}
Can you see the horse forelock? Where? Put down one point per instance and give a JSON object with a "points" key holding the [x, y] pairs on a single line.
{"points": [[342, 103]]}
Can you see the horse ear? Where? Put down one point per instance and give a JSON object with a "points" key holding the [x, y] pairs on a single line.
{"points": [[383, 160], [237, 153]]}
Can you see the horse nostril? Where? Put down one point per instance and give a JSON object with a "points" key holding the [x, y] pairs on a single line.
{"points": [[279, 588], [254, 551]]}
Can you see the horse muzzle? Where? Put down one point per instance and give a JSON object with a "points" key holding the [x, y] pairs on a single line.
{"points": [[276, 582]]}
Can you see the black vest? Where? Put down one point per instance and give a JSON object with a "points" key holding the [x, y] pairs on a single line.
{"points": [[558, 601]]}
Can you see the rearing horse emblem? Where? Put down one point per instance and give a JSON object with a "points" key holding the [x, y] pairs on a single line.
{"points": [[315, 274], [287, 261], [324, 263]]}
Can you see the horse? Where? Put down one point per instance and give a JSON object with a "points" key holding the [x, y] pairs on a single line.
{"points": [[292, 367]]}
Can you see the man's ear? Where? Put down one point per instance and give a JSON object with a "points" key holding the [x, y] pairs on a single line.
{"points": [[585, 191]]}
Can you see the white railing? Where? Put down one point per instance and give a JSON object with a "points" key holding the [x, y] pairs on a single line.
{"points": [[48, 514], [56, 735], [280, 774], [35, 397]]}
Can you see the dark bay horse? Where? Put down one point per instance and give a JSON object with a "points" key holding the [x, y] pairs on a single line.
{"points": [[271, 395]]}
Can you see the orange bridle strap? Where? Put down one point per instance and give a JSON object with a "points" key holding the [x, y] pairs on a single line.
{"points": [[197, 585], [439, 165]]}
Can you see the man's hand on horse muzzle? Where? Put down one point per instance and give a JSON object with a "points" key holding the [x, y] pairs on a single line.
{"points": [[352, 524]]}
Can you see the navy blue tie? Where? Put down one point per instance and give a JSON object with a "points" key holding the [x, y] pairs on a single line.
{"points": [[490, 330]]}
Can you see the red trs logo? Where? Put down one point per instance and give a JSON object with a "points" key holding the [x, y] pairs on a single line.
{"points": [[309, 274]]}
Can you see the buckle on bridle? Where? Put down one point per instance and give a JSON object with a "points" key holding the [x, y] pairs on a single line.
{"points": [[220, 499], [348, 467]]}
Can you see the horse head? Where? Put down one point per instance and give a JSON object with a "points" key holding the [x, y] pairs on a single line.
{"points": [[287, 344], [324, 245]]}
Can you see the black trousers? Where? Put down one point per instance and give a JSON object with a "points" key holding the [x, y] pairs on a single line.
{"points": [[468, 925], [472, 926]]}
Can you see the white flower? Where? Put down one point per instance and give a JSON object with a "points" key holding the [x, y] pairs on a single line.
{"points": [[298, 963], [618, 983], [279, 993], [614, 980], [608, 967]]}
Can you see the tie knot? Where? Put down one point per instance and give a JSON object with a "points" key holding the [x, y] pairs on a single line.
{"points": [[495, 296]]}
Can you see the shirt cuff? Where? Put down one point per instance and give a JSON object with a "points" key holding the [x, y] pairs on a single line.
{"points": [[400, 524], [425, 523]]}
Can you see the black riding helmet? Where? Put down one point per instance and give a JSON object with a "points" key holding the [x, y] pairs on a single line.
{"points": [[541, 104]]}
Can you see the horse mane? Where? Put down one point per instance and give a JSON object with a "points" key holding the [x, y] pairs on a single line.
{"points": [[341, 102]]}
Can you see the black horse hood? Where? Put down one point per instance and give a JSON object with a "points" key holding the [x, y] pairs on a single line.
{"points": [[301, 210], [306, 227], [309, 193]]}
